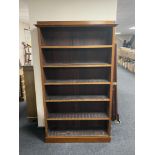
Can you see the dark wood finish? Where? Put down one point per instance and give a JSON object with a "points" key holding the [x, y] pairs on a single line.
{"points": [[78, 139], [77, 61], [89, 55], [76, 37], [77, 90], [75, 23], [77, 73], [112, 78], [78, 107], [43, 80]]}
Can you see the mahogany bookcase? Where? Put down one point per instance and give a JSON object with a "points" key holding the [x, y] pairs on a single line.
{"points": [[77, 62]]}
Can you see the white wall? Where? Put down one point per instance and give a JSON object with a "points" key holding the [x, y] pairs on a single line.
{"points": [[22, 38], [63, 10]]}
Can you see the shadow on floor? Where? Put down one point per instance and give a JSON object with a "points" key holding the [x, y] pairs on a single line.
{"points": [[27, 126]]}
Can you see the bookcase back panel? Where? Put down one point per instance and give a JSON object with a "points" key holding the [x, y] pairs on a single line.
{"points": [[77, 73], [78, 125], [77, 55], [57, 36], [76, 107], [69, 90]]}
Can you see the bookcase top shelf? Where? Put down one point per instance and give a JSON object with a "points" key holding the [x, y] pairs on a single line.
{"points": [[75, 23]]}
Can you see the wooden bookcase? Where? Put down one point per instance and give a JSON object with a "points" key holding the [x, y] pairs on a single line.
{"points": [[77, 61]]}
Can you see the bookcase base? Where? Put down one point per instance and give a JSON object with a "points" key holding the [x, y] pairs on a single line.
{"points": [[78, 139]]}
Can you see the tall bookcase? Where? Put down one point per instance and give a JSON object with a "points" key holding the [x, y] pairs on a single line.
{"points": [[77, 61]]}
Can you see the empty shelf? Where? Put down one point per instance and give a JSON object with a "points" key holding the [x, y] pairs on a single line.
{"points": [[78, 116], [77, 98], [66, 65], [77, 133], [82, 46], [76, 82]]}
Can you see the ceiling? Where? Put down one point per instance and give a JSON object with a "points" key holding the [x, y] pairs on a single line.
{"points": [[125, 15]]}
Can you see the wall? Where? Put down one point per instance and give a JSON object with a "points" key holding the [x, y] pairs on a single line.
{"points": [[22, 38], [63, 10]]}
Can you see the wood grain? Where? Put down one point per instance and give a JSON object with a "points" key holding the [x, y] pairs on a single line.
{"points": [[40, 38], [68, 65], [75, 23], [77, 98], [77, 82], [78, 139]]}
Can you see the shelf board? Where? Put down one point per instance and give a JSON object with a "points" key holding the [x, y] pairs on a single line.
{"points": [[76, 133], [80, 46], [74, 65], [69, 136], [78, 116], [78, 98], [76, 82]]}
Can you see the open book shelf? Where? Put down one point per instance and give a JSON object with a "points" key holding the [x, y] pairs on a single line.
{"points": [[77, 60]]}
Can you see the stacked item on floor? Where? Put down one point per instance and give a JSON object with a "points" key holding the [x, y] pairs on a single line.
{"points": [[126, 58], [28, 91]]}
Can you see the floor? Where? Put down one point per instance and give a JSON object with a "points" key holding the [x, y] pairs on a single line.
{"points": [[123, 134]]}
